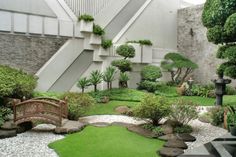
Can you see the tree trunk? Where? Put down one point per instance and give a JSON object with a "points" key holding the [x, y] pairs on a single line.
{"points": [[82, 90], [155, 122], [95, 88], [108, 86]]}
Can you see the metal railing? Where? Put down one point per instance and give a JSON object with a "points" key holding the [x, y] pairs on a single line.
{"points": [[91, 7]]}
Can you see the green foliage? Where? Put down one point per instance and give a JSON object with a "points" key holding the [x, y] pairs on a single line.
{"points": [[78, 103], [183, 111], [183, 129], [48, 95], [155, 129], [123, 80], [230, 25], [97, 30], [215, 34], [123, 65], [4, 113], [178, 65], [109, 76], [154, 108], [151, 73], [106, 44], [203, 90], [217, 115], [126, 51], [148, 85], [230, 90], [83, 83], [95, 78], [16, 83], [141, 42], [86, 18]]}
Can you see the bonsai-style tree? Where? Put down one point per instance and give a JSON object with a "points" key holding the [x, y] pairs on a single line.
{"points": [[95, 78], [124, 65], [178, 66], [151, 73], [109, 76], [219, 17], [83, 83]]}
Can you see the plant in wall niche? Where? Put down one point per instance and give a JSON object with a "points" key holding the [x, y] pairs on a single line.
{"points": [[95, 78], [141, 42], [97, 30], [86, 18], [124, 65], [109, 76], [178, 66], [83, 83], [106, 43], [219, 17]]}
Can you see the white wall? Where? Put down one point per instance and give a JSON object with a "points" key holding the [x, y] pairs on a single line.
{"points": [[38, 7], [158, 23]]}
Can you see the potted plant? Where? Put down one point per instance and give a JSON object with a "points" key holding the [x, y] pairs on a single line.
{"points": [[231, 120], [86, 23], [105, 47], [96, 37], [146, 49], [138, 52]]}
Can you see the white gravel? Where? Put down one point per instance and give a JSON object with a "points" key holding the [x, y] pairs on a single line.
{"points": [[29, 144], [111, 118], [204, 133]]}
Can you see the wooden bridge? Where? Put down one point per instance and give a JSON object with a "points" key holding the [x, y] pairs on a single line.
{"points": [[48, 110]]}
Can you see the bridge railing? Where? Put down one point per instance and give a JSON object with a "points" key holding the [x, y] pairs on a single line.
{"points": [[45, 109]]}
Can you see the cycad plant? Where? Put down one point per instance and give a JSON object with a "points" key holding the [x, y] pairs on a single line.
{"points": [[96, 78], [83, 83], [109, 76], [123, 80]]}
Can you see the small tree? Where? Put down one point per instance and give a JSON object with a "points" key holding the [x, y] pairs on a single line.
{"points": [[95, 78], [83, 83], [124, 65], [151, 73], [123, 80], [154, 108], [178, 66], [109, 76]]}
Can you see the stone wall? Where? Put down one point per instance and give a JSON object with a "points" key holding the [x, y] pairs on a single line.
{"points": [[29, 53]]}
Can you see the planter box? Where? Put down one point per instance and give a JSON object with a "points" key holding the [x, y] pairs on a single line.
{"points": [[86, 26], [138, 52], [146, 54], [104, 52], [95, 39]]}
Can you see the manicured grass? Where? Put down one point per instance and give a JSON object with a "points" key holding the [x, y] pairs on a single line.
{"points": [[110, 141], [109, 108], [230, 99], [202, 101]]}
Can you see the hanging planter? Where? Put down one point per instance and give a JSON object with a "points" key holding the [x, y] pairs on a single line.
{"points": [[95, 39], [86, 23]]}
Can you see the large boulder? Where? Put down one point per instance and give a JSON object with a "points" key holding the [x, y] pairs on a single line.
{"points": [[141, 131], [170, 152], [167, 129], [186, 137], [9, 125], [7, 133], [168, 137], [176, 144], [122, 109]]}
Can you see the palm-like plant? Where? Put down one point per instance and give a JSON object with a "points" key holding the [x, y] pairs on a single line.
{"points": [[95, 78], [109, 76], [83, 83], [123, 80]]}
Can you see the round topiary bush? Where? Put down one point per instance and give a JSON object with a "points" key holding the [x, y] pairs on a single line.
{"points": [[123, 65], [126, 51], [151, 73]]}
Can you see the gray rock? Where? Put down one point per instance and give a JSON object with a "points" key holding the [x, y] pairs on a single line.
{"points": [[122, 109], [9, 125], [176, 144], [170, 152], [167, 129], [168, 137], [7, 133], [186, 137], [141, 131], [70, 127]]}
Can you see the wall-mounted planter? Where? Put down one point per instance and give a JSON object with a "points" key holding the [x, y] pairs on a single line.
{"points": [[86, 26], [104, 52], [138, 52], [146, 54], [95, 39]]}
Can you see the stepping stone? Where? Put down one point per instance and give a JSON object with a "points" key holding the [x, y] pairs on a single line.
{"points": [[122, 124], [176, 144], [168, 137], [44, 128], [7, 133], [186, 137], [141, 131], [100, 124], [170, 152], [167, 129], [70, 127]]}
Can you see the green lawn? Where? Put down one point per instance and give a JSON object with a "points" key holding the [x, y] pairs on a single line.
{"points": [[110, 141], [109, 108]]}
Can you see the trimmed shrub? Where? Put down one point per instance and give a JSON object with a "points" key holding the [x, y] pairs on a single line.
{"points": [[78, 103], [106, 44], [217, 115], [183, 112], [86, 18], [48, 95], [154, 108], [183, 129], [123, 65], [16, 83], [151, 73], [97, 30], [127, 51], [148, 85]]}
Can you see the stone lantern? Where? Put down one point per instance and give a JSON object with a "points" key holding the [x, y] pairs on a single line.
{"points": [[220, 88]]}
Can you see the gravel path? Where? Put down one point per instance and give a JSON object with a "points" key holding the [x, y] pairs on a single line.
{"points": [[111, 118], [29, 144], [204, 133]]}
